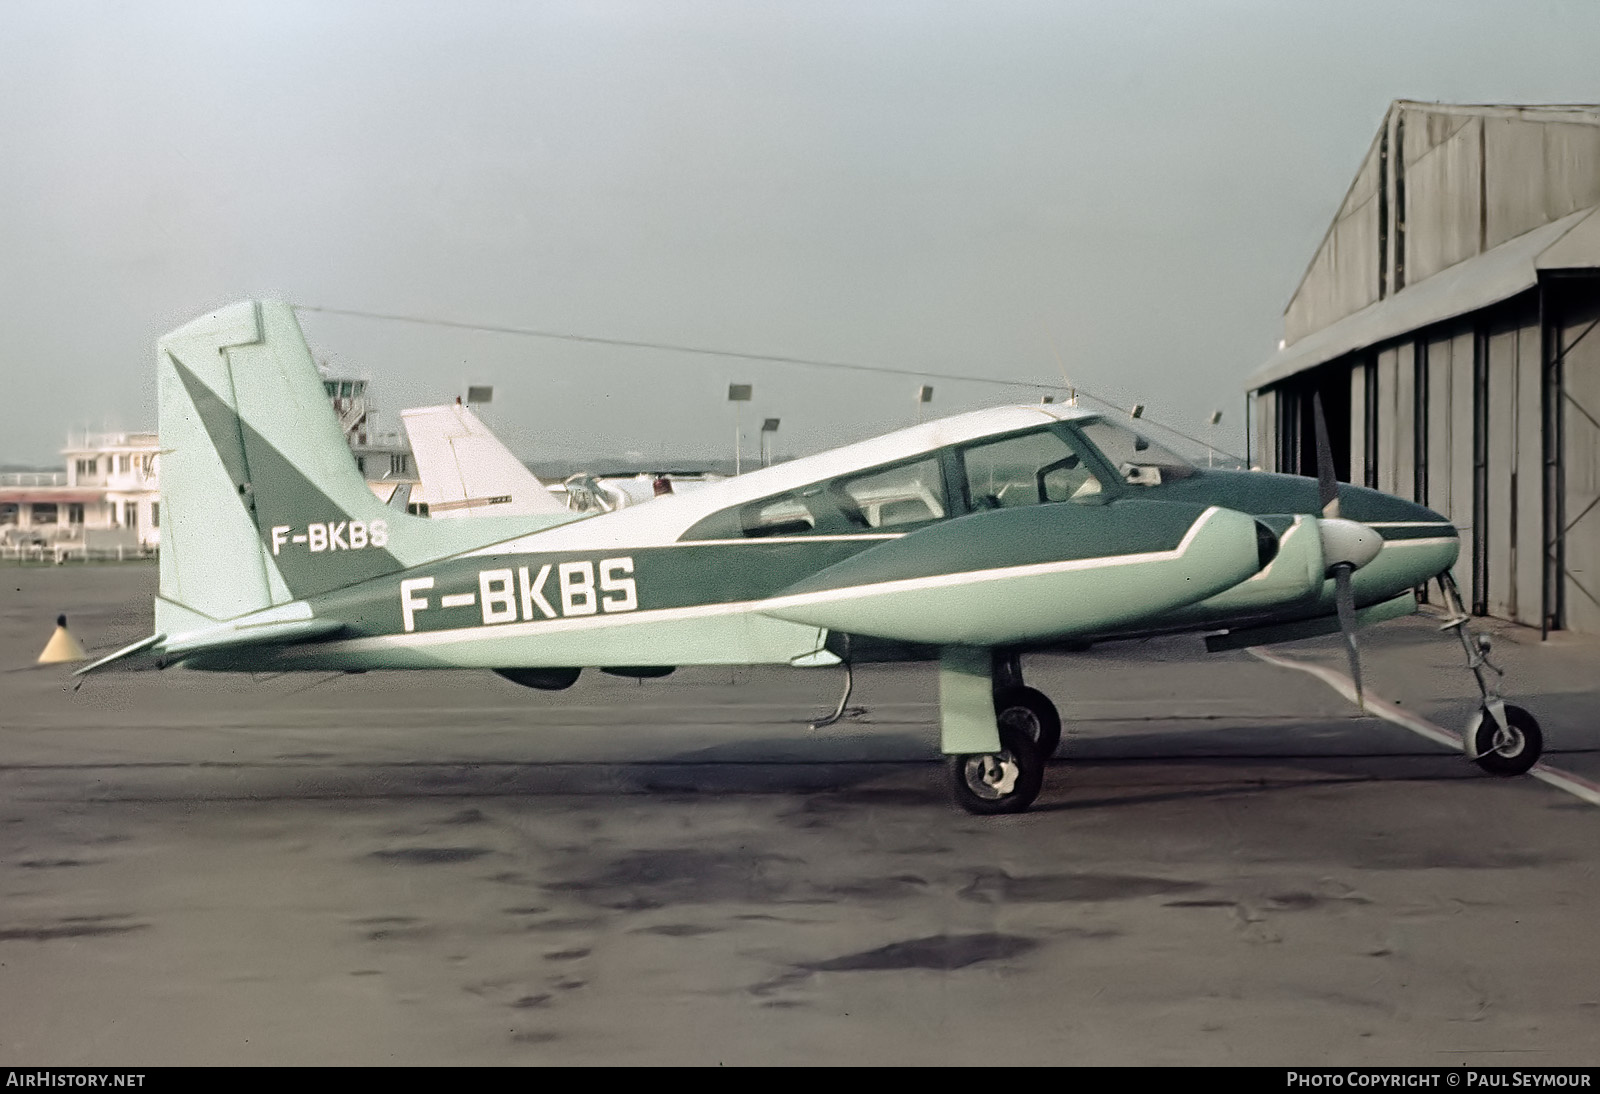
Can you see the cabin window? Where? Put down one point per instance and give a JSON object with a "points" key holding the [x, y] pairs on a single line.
{"points": [[912, 493], [887, 498], [781, 516], [1030, 469]]}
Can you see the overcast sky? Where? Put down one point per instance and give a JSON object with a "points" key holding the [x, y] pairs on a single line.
{"points": [[1124, 193]]}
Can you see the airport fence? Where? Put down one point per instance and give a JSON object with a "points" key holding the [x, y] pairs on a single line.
{"points": [[59, 554]]}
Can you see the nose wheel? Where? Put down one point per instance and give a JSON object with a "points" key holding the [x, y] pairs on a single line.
{"points": [[1511, 749]]}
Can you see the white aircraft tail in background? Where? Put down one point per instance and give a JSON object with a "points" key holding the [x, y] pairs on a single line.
{"points": [[466, 471]]}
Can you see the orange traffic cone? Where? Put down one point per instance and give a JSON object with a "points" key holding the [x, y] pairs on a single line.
{"points": [[62, 646]]}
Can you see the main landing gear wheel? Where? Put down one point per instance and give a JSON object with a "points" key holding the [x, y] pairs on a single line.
{"points": [[1509, 751], [1030, 711], [999, 782]]}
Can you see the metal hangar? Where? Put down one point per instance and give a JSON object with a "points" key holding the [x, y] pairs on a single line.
{"points": [[1446, 322]]}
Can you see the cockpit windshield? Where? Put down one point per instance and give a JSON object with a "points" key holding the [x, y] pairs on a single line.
{"points": [[1139, 460]]}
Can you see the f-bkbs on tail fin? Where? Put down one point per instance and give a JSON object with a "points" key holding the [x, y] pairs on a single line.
{"points": [[261, 499]]}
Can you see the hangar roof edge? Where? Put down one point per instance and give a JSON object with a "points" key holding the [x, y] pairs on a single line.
{"points": [[1495, 275]]}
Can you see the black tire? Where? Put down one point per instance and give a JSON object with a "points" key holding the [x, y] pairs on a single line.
{"points": [[1513, 757], [1032, 712], [989, 783]]}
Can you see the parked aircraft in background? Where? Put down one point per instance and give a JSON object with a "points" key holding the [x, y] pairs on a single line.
{"points": [[969, 541], [465, 470]]}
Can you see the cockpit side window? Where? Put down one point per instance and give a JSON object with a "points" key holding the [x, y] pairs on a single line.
{"points": [[1035, 468], [1139, 460]]}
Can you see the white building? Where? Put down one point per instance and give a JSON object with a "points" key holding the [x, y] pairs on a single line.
{"points": [[124, 467], [107, 501]]}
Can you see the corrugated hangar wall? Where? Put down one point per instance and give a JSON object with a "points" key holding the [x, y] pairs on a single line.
{"points": [[1445, 321], [1580, 427]]}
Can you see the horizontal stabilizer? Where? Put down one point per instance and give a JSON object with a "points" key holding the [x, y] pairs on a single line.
{"points": [[123, 654], [159, 650], [263, 634]]}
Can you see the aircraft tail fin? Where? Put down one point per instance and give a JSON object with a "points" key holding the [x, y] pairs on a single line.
{"points": [[466, 471], [262, 502]]}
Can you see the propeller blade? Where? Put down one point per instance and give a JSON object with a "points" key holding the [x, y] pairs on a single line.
{"points": [[1327, 483], [1344, 598]]}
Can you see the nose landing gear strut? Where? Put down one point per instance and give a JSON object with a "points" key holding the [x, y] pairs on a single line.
{"points": [[1500, 738]]}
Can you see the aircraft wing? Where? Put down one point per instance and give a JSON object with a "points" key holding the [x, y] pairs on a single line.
{"points": [[465, 469]]}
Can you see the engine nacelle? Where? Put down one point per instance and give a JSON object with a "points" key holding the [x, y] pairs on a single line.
{"points": [[1030, 574]]}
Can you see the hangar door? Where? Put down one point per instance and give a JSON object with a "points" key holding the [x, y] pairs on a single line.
{"points": [[1577, 346]]}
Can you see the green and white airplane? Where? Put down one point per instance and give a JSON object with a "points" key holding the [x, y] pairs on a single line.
{"points": [[969, 541]]}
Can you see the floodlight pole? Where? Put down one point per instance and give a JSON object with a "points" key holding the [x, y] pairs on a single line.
{"points": [[737, 395], [768, 427]]}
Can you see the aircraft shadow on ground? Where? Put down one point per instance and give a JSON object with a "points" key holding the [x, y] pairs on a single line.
{"points": [[1172, 766]]}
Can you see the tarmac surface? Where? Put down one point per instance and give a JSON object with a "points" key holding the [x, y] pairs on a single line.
{"points": [[1229, 864]]}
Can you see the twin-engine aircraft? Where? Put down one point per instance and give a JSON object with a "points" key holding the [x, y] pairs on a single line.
{"points": [[967, 541]]}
